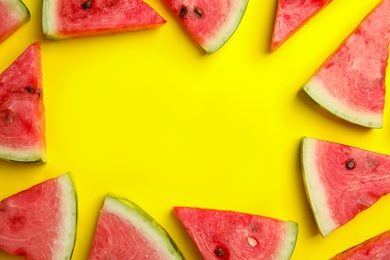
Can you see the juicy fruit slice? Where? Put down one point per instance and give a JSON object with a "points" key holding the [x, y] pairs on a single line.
{"points": [[79, 18], [125, 231], [341, 181], [13, 14], [210, 22], [377, 248], [40, 222], [291, 15], [22, 119], [222, 234], [351, 83]]}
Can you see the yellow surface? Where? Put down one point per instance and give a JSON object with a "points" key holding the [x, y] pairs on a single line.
{"points": [[149, 116]]}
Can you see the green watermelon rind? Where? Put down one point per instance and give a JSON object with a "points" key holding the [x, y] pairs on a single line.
{"points": [[49, 20], [25, 156], [69, 226], [289, 240], [131, 212], [227, 31], [315, 191], [21, 11], [315, 89]]}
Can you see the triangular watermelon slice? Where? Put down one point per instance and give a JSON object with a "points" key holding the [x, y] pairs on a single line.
{"points": [[351, 83], [13, 14], [291, 15], [40, 222], [22, 116], [220, 234], [79, 18], [375, 248], [210, 22], [126, 231], [341, 181]]}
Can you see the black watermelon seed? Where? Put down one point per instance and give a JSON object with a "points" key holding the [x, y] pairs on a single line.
{"points": [[219, 252], [350, 165], [198, 13], [30, 89], [86, 5], [183, 12]]}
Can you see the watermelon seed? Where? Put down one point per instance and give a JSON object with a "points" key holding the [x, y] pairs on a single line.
{"points": [[198, 13], [30, 89], [86, 5], [183, 12], [219, 252], [252, 241], [350, 165]]}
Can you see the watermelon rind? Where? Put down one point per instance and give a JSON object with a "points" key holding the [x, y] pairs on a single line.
{"points": [[67, 240], [20, 13], [29, 155], [314, 188], [147, 225], [227, 31], [315, 89], [289, 240]]}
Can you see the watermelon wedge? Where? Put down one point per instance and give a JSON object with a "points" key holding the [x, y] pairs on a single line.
{"points": [[377, 248], [220, 234], [291, 15], [351, 83], [13, 14], [22, 119], [40, 222], [125, 231], [210, 22], [341, 181], [80, 18]]}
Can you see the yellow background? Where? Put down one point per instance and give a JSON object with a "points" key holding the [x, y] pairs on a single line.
{"points": [[149, 116]]}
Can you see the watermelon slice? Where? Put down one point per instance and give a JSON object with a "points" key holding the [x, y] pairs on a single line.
{"points": [[341, 181], [80, 18], [351, 83], [220, 234], [13, 14], [40, 222], [22, 121], [291, 15], [125, 231], [210, 22], [377, 248]]}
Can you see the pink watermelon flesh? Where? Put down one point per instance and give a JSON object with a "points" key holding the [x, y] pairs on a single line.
{"points": [[377, 248], [40, 222], [341, 181], [220, 234], [13, 14], [351, 83], [292, 15], [125, 231], [210, 22], [79, 18], [22, 122]]}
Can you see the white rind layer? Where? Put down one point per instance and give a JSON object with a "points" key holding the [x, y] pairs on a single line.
{"points": [[228, 29], [49, 18], [66, 241], [153, 232], [31, 154], [315, 89], [314, 188], [288, 240]]}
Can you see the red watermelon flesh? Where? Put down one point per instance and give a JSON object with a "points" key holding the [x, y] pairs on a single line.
{"points": [[291, 15], [351, 83], [22, 121], [210, 22], [125, 231], [377, 248], [13, 14], [341, 181], [220, 234], [79, 18], [40, 222]]}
